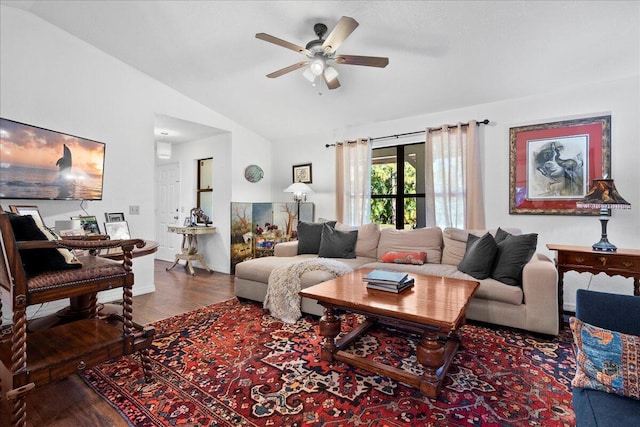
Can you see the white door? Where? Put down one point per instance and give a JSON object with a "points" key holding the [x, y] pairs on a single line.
{"points": [[167, 210]]}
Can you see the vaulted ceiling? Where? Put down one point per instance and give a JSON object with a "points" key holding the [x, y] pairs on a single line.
{"points": [[442, 54]]}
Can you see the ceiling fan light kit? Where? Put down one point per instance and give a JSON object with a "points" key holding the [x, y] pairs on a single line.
{"points": [[319, 52]]}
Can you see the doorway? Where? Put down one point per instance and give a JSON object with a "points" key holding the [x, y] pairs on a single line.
{"points": [[167, 210]]}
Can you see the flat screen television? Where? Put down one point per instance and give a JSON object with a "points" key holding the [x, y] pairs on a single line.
{"points": [[37, 163]]}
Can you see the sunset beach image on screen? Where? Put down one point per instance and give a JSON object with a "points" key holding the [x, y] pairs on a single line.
{"points": [[38, 163]]}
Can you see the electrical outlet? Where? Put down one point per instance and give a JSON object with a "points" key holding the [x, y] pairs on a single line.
{"points": [[134, 210]]}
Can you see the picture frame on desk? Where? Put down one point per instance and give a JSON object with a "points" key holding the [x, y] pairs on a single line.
{"points": [[89, 223], [114, 216], [551, 165], [30, 210], [117, 230]]}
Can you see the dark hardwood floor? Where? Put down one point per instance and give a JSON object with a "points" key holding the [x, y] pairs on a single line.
{"points": [[70, 402]]}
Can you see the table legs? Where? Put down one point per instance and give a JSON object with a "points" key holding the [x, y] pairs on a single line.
{"points": [[329, 330], [190, 254], [434, 353]]}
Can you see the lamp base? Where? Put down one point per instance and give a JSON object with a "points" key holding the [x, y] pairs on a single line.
{"points": [[604, 246]]}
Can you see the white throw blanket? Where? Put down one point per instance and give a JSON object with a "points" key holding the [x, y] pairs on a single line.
{"points": [[282, 298]]}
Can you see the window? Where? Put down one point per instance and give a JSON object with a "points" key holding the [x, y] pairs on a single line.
{"points": [[204, 191], [398, 186]]}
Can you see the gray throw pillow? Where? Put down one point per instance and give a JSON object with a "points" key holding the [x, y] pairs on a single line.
{"points": [[479, 256], [337, 244], [514, 251], [309, 234]]}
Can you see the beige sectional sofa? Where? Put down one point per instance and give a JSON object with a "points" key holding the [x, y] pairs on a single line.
{"points": [[532, 307]]}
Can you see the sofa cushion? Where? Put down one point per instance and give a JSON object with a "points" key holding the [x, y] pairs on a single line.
{"points": [[427, 240], [606, 360], [309, 234], [416, 258], [513, 253], [368, 238], [337, 244], [479, 255], [594, 408]]}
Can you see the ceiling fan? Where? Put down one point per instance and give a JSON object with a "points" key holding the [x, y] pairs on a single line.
{"points": [[319, 52]]}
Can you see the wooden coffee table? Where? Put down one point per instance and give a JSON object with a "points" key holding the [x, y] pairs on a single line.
{"points": [[434, 307]]}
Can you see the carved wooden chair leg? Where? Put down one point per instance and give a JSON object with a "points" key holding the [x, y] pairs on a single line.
{"points": [[18, 399], [146, 365]]}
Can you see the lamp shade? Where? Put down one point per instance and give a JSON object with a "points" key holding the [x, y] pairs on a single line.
{"points": [[603, 194], [298, 188], [317, 65], [330, 73]]}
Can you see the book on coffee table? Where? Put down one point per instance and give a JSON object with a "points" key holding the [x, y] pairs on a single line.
{"points": [[386, 277], [391, 288]]}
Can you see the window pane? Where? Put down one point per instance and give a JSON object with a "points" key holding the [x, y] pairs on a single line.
{"points": [[414, 169], [383, 211], [384, 171], [414, 212]]}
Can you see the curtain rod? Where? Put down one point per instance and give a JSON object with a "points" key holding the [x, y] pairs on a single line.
{"points": [[400, 135]]}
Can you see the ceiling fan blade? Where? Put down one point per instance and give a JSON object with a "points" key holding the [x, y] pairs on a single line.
{"points": [[288, 69], [283, 43], [368, 61], [342, 30], [331, 84]]}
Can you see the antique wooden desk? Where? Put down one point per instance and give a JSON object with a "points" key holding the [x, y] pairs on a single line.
{"points": [[190, 246], [583, 259]]}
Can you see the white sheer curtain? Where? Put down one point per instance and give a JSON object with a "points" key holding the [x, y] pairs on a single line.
{"points": [[353, 182], [454, 196]]}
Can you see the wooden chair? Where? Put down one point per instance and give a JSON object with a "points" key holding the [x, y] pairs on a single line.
{"points": [[79, 339]]}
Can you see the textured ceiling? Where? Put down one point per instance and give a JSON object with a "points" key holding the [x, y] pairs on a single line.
{"points": [[443, 55]]}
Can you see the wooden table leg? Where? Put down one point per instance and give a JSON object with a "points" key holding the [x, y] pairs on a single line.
{"points": [[430, 353], [329, 329], [560, 298]]}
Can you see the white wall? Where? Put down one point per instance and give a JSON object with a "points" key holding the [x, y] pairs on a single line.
{"points": [[51, 79], [619, 98]]}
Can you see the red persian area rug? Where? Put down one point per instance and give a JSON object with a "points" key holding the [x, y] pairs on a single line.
{"points": [[231, 364]]}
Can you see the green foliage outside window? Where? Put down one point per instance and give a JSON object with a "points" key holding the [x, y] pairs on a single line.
{"points": [[384, 182]]}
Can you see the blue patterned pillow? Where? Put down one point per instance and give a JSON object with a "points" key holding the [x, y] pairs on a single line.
{"points": [[606, 360]]}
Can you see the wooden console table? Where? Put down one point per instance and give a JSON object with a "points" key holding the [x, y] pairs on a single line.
{"points": [[583, 259], [190, 246]]}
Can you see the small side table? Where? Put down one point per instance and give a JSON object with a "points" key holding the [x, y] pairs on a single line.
{"points": [[190, 246], [583, 259]]}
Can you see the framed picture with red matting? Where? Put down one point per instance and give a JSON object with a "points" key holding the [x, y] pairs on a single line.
{"points": [[551, 165]]}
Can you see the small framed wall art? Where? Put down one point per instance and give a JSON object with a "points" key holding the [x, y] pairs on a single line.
{"points": [[551, 165], [302, 173]]}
